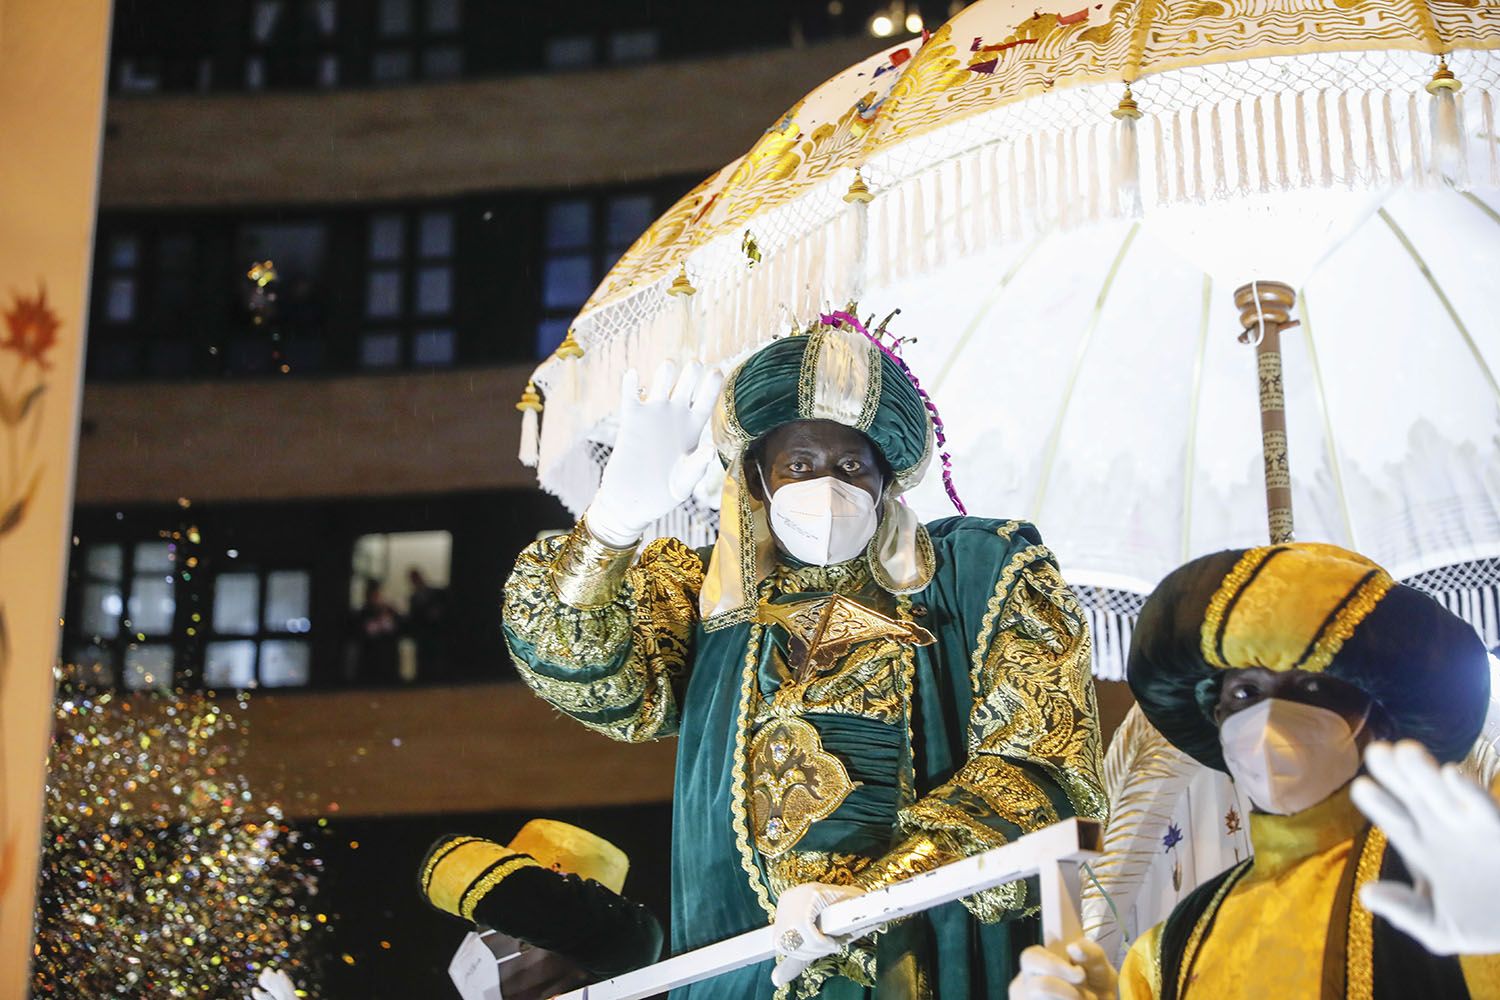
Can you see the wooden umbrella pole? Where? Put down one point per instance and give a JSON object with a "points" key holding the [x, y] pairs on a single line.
{"points": [[1266, 310]]}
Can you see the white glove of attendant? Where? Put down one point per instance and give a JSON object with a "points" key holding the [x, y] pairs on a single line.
{"points": [[273, 986], [799, 942], [657, 458], [1084, 974], [1446, 829]]}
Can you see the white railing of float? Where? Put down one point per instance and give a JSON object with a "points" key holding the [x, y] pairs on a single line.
{"points": [[1054, 854]]}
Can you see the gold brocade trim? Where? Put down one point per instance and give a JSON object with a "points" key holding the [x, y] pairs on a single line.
{"points": [[807, 378], [1218, 605], [907, 695], [872, 390], [1195, 939], [739, 790], [1359, 956], [588, 572], [997, 600], [1359, 605], [476, 892], [829, 867], [794, 783]]}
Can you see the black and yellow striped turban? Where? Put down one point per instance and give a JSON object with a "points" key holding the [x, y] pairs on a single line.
{"points": [[1314, 607]]}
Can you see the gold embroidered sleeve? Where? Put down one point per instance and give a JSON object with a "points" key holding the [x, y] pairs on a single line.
{"points": [[617, 664], [1033, 737], [1034, 691]]}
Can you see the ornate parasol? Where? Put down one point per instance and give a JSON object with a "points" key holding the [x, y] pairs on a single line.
{"points": [[1063, 202]]}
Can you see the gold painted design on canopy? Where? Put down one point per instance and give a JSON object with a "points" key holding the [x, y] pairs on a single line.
{"points": [[1061, 44]]}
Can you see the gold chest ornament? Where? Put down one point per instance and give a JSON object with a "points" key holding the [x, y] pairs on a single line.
{"points": [[794, 782]]}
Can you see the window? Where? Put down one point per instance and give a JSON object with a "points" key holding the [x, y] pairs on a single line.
{"points": [[571, 52], [121, 274], [409, 43], [582, 240], [124, 606], [258, 625], [282, 297], [409, 290], [634, 46], [398, 594]]}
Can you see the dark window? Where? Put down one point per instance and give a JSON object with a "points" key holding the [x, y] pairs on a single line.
{"points": [[409, 291], [582, 239], [282, 296], [125, 603], [257, 634]]}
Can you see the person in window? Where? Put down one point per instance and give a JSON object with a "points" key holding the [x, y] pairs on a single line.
{"points": [[858, 697], [425, 611], [379, 629], [1285, 666]]}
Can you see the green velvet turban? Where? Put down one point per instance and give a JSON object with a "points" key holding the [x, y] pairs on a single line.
{"points": [[1314, 607], [828, 373]]}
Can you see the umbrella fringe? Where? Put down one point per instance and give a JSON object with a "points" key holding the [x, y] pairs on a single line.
{"points": [[1019, 184]]}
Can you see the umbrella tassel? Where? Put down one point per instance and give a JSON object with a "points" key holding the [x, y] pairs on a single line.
{"points": [[1448, 161], [531, 434], [1414, 132], [859, 197], [1487, 122], [1216, 138], [1241, 153], [1304, 155], [1159, 151], [1283, 176], [1199, 195], [1260, 146], [1346, 131], [1324, 134], [1392, 152], [1128, 156], [1372, 158], [1179, 156]]}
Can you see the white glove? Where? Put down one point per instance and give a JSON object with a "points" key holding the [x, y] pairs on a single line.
{"points": [[799, 942], [1445, 828], [657, 458], [1085, 974], [273, 986]]}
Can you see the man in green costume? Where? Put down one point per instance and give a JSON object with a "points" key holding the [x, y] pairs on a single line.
{"points": [[858, 697]]}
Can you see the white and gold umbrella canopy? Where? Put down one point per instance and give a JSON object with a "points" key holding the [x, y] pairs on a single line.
{"points": [[1061, 200]]}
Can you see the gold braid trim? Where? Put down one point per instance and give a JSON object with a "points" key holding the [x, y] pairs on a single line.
{"points": [[1359, 956], [1195, 939], [476, 892], [873, 386], [1346, 620], [587, 572], [807, 378], [1218, 605], [997, 598], [739, 790], [438, 854]]}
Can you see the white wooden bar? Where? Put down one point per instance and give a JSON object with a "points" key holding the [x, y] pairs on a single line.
{"points": [[1053, 852]]}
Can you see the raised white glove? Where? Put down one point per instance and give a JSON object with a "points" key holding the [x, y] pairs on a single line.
{"points": [[1083, 974], [657, 458], [275, 985], [1446, 829], [799, 942]]}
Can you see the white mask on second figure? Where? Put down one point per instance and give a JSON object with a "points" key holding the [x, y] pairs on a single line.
{"points": [[1287, 755], [822, 521]]}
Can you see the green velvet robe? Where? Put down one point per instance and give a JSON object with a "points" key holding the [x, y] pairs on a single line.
{"points": [[952, 748]]}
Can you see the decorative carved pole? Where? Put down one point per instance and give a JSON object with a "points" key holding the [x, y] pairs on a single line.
{"points": [[1266, 310]]}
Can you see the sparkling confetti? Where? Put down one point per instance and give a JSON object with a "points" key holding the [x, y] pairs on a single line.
{"points": [[162, 874]]}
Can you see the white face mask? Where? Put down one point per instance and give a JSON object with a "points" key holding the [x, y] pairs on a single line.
{"points": [[1288, 755], [822, 521]]}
